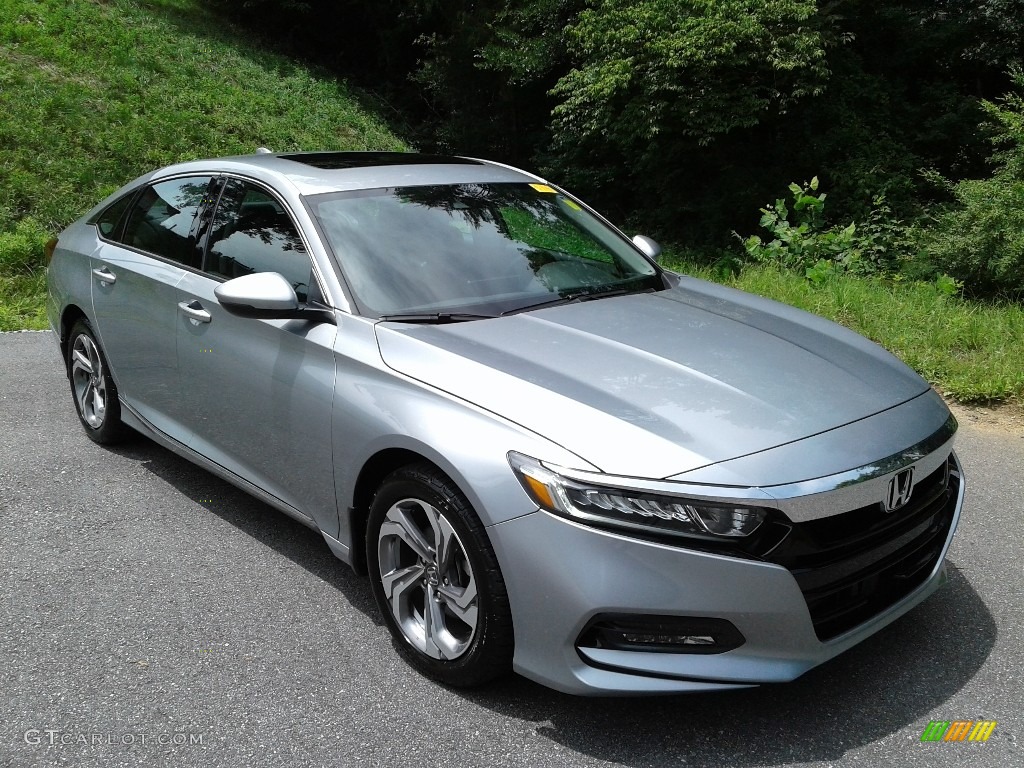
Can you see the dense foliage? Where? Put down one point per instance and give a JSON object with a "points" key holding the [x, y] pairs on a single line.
{"points": [[981, 238], [95, 93], [683, 116]]}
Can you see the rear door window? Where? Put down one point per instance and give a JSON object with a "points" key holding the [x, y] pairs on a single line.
{"points": [[162, 220]]}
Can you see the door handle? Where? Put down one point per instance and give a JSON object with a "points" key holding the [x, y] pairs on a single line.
{"points": [[106, 277], [195, 312]]}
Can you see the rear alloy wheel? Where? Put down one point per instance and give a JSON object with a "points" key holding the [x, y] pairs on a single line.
{"points": [[92, 387], [436, 579]]}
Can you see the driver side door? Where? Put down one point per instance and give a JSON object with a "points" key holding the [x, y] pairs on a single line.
{"points": [[260, 391]]}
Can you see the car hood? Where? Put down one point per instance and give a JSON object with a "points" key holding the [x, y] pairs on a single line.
{"points": [[657, 384]]}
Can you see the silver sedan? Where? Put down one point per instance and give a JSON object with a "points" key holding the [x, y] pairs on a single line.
{"points": [[550, 454]]}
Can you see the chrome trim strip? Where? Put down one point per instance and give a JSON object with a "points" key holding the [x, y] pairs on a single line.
{"points": [[805, 500], [140, 424], [854, 489], [937, 441]]}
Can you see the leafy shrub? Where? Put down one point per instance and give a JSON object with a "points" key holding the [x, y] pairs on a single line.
{"points": [[947, 286], [980, 240], [802, 240], [884, 244]]}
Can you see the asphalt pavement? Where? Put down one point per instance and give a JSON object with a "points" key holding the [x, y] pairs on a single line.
{"points": [[153, 615]]}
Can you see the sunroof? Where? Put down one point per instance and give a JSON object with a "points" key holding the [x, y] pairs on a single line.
{"points": [[336, 160]]}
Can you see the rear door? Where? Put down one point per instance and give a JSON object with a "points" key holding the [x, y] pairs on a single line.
{"points": [[141, 258], [260, 392]]}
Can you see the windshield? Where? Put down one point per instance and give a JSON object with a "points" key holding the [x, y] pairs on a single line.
{"points": [[478, 249]]}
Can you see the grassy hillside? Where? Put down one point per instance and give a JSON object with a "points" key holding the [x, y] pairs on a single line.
{"points": [[95, 93]]}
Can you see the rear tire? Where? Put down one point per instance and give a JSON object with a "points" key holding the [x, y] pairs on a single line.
{"points": [[436, 579], [92, 387]]}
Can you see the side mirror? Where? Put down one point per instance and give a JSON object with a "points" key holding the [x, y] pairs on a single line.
{"points": [[647, 246], [263, 295]]}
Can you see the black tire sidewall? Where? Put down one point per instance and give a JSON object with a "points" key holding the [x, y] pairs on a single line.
{"points": [[489, 655]]}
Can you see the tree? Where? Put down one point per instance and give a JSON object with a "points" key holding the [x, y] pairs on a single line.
{"points": [[653, 71]]}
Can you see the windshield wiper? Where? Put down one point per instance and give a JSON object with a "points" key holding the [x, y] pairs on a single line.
{"points": [[435, 317], [576, 297]]}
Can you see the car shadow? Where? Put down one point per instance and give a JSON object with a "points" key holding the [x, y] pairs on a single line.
{"points": [[890, 682], [290, 538]]}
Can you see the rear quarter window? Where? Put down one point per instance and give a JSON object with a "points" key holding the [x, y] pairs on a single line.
{"points": [[109, 220]]}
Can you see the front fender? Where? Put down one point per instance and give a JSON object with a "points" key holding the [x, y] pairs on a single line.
{"points": [[377, 410]]}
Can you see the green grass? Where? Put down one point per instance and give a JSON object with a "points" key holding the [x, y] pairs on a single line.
{"points": [[971, 352], [22, 279], [93, 94], [21, 301]]}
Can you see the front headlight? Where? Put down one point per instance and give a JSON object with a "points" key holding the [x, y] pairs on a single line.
{"points": [[633, 509]]}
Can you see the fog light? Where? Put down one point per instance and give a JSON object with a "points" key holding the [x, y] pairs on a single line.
{"points": [[649, 639], [664, 634]]}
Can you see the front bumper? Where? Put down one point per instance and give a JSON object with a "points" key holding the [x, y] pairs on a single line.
{"points": [[568, 574]]}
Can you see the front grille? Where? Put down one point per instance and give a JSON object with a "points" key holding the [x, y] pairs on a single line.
{"points": [[852, 566]]}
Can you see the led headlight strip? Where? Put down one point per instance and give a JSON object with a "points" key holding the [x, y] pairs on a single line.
{"points": [[634, 509]]}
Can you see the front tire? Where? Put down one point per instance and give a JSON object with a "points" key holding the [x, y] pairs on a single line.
{"points": [[436, 579], [92, 387]]}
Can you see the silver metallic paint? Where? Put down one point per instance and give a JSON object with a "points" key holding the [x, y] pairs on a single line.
{"points": [[609, 572], [258, 393], [678, 382], [139, 424], [262, 290], [699, 386], [136, 316]]}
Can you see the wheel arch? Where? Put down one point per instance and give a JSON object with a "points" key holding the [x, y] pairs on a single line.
{"points": [[372, 474], [450, 654], [468, 446], [71, 314]]}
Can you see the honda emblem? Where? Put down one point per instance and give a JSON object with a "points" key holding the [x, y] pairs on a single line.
{"points": [[900, 488]]}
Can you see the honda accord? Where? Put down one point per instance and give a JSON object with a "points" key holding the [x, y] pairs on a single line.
{"points": [[549, 453]]}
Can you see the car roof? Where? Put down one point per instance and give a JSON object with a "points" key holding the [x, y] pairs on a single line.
{"points": [[312, 173]]}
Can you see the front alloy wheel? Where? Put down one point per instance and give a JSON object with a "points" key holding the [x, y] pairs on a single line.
{"points": [[427, 579], [436, 580]]}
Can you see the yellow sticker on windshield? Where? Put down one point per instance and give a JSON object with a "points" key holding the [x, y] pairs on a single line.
{"points": [[572, 205], [543, 188]]}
